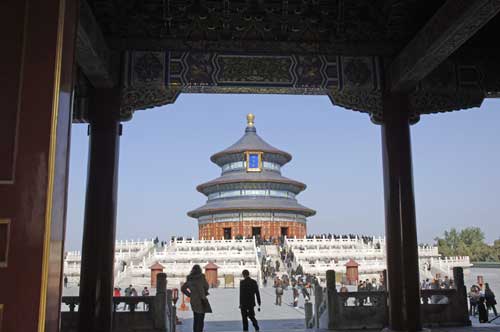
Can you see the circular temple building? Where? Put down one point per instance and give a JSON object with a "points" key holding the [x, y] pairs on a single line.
{"points": [[251, 198]]}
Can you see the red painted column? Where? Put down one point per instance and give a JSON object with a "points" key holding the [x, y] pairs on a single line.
{"points": [[36, 84]]}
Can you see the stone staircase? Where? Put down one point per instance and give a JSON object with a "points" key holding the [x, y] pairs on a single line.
{"points": [[273, 252], [123, 278]]}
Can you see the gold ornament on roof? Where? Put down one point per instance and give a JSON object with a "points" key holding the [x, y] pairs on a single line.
{"points": [[250, 119]]}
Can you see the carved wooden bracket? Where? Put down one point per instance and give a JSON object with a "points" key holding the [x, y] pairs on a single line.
{"points": [[156, 78]]}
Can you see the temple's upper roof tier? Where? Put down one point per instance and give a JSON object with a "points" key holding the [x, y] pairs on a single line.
{"points": [[250, 141]]}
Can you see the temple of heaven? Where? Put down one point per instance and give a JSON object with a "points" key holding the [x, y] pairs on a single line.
{"points": [[251, 198]]}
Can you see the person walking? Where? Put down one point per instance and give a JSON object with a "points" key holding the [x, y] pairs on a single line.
{"points": [[278, 291], [489, 296], [249, 290], [145, 292], [196, 288], [65, 281], [295, 294]]}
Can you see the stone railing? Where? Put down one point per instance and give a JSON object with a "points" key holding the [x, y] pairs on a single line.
{"points": [[183, 269], [356, 253], [249, 242], [325, 244], [354, 310], [219, 254], [133, 245], [132, 313], [446, 307], [330, 241], [368, 310], [320, 268]]}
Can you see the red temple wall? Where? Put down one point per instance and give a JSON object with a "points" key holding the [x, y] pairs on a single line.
{"points": [[244, 228]]}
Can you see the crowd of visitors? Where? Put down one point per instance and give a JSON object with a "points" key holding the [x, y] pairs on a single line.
{"points": [[481, 301], [438, 283], [299, 284], [370, 285], [287, 256], [130, 291]]}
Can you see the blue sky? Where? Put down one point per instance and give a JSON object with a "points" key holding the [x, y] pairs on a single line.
{"points": [[165, 153]]}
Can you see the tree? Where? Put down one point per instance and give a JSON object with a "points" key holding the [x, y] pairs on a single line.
{"points": [[496, 250], [468, 242]]}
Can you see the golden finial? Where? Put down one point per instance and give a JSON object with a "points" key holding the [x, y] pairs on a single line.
{"points": [[250, 119]]}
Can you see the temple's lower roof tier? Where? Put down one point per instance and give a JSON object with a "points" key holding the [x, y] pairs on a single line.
{"points": [[265, 177], [258, 203]]}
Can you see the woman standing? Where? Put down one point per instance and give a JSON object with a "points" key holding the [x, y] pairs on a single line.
{"points": [[474, 296], [196, 288], [489, 296]]}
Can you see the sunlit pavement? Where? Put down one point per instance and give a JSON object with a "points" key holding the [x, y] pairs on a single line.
{"points": [[226, 316]]}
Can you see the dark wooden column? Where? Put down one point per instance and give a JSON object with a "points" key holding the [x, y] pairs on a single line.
{"points": [[400, 220], [98, 248]]}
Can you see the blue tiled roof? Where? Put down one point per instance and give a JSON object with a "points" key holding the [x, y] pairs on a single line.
{"points": [[250, 141]]}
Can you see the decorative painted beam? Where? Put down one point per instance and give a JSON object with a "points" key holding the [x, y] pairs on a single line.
{"points": [[452, 25], [92, 53]]}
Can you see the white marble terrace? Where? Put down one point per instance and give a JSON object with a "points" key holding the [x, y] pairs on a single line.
{"points": [[178, 257], [317, 255]]}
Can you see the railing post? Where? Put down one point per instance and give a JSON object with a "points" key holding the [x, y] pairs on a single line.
{"points": [[170, 312], [308, 308], [458, 279], [160, 302], [331, 291], [318, 299]]}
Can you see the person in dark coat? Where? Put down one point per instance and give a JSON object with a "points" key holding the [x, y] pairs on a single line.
{"points": [[196, 288], [481, 309], [249, 290], [489, 296]]}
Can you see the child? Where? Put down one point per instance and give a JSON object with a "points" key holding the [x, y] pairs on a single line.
{"points": [[481, 309]]}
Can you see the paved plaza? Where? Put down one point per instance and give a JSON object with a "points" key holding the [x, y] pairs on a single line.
{"points": [[226, 315]]}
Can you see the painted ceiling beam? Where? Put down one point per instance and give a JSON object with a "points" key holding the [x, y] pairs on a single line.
{"points": [[450, 27], [92, 53]]}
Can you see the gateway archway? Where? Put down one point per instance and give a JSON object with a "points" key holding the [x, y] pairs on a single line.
{"points": [[393, 60]]}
